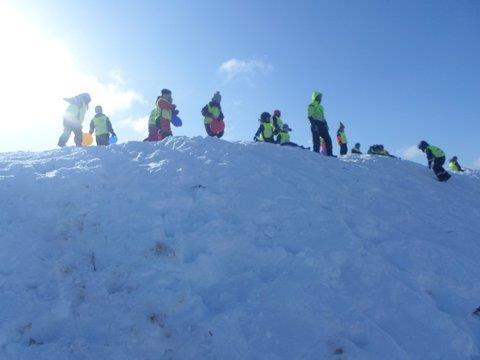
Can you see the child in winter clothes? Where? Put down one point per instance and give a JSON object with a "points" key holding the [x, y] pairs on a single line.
{"points": [[265, 130], [73, 119], [102, 127], [283, 137], [454, 165], [342, 139], [277, 122], [318, 124], [378, 150], [436, 159], [212, 113], [161, 117], [356, 149]]}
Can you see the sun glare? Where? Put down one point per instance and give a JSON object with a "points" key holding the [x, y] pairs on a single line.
{"points": [[37, 72]]}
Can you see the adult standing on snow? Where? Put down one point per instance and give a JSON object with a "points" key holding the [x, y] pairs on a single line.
{"points": [[318, 124], [213, 116], [342, 139], [73, 119], [436, 159], [161, 117], [102, 126]]}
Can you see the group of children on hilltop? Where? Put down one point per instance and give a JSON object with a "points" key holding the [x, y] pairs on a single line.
{"points": [[73, 121], [272, 129]]}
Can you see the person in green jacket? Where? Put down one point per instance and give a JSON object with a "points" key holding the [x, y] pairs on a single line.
{"points": [[342, 139], [161, 116], [356, 149], [318, 124], [283, 138], [213, 112], [277, 122], [265, 130], [102, 127], [73, 119], [454, 165], [379, 150], [436, 159]]}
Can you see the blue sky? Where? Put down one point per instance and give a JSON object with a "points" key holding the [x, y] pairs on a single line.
{"points": [[393, 72]]}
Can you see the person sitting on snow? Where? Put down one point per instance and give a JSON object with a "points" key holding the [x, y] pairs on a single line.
{"points": [[277, 122], [436, 159], [378, 150], [73, 119], [356, 149], [265, 130], [283, 137], [213, 116], [342, 139], [454, 165], [161, 117], [102, 126]]}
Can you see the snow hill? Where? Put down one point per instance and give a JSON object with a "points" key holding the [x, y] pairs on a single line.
{"points": [[205, 249]]}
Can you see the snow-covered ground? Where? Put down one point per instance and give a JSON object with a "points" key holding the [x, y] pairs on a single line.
{"points": [[205, 249]]}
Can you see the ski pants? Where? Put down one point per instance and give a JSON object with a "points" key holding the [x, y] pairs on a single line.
{"points": [[68, 127], [152, 133], [343, 149], [438, 169], [320, 130], [156, 133], [210, 133], [102, 139]]}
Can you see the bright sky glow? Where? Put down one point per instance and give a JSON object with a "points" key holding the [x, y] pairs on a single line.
{"points": [[36, 73]]}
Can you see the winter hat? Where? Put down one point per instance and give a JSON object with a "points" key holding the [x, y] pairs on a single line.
{"points": [[423, 145], [217, 98], [286, 127], [166, 92], [341, 125], [357, 145], [98, 109], [454, 158], [265, 116], [277, 113]]}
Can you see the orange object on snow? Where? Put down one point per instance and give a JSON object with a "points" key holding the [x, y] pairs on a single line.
{"points": [[87, 139]]}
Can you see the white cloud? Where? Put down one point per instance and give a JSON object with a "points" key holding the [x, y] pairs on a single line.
{"points": [[410, 153], [243, 69], [36, 73], [116, 74], [139, 125]]}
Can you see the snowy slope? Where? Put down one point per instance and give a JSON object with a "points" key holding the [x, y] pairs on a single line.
{"points": [[205, 249]]}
